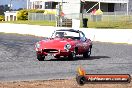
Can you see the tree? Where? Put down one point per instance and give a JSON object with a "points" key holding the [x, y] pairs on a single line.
{"points": [[3, 8]]}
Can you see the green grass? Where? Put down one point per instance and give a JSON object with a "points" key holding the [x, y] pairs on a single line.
{"points": [[111, 25], [104, 24], [112, 21], [42, 23]]}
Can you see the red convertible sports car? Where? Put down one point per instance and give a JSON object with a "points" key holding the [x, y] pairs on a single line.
{"points": [[64, 42]]}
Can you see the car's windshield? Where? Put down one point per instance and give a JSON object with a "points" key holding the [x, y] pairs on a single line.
{"points": [[66, 34]]}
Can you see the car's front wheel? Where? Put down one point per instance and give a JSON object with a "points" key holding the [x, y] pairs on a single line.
{"points": [[72, 56], [57, 56], [87, 53], [40, 57]]}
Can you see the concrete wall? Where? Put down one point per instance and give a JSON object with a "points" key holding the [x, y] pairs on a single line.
{"points": [[102, 35]]}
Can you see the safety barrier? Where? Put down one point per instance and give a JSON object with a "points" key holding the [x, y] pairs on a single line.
{"points": [[102, 35]]}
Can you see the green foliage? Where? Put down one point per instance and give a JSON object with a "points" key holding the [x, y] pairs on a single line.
{"points": [[23, 14], [3, 8], [2, 18], [36, 11]]}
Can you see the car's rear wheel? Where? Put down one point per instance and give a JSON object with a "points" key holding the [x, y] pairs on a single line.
{"points": [[87, 53], [40, 57]]}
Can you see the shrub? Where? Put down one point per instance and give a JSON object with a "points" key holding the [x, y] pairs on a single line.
{"points": [[2, 18], [36, 11], [23, 14]]}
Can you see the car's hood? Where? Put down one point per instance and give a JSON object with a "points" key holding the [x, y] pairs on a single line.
{"points": [[56, 43]]}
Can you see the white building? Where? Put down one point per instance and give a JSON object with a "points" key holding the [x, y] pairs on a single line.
{"points": [[10, 15], [74, 5]]}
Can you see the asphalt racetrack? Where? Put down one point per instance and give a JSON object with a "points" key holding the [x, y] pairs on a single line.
{"points": [[18, 60]]}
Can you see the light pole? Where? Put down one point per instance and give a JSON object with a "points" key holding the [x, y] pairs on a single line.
{"points": [[10, 5], [83, 3], [99, 4], [62, 4], [27, 4], [82, 9], [58, 8]]}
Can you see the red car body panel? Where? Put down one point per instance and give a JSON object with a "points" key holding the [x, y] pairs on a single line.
{"points": [[56, 43], [55, 46]]}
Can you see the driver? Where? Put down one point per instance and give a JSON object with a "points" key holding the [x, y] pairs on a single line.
{"points": [[59, 35]]}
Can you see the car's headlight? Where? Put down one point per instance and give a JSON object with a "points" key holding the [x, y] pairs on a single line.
{"points": [[67, 46], [37, 45]]}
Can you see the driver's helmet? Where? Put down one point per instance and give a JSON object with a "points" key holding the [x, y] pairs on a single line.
{"points": [[59, 34]]}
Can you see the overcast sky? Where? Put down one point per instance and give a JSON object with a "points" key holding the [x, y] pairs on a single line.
{"points": [[16, 4]]}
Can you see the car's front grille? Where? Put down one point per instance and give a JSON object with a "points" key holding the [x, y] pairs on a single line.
{"points": [[50, 51]]}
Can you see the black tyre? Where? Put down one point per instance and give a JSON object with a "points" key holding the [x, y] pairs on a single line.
{"points": [[57, 56], [81, 80], [40, 57], [87, 53], [72, 56]]}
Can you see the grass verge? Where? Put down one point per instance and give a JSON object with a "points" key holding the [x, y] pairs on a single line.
{"points": [[109, 25], [41, 23]]}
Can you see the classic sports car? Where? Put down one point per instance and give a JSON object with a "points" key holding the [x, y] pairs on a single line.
{"points": [[64, 42]]}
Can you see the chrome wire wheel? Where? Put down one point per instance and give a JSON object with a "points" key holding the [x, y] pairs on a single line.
{"points": [[87, 53], [72, 56]]}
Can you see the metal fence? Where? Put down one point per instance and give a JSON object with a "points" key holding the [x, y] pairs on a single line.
{"points": [[106, 17], [41, 17], [110, 17]]}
